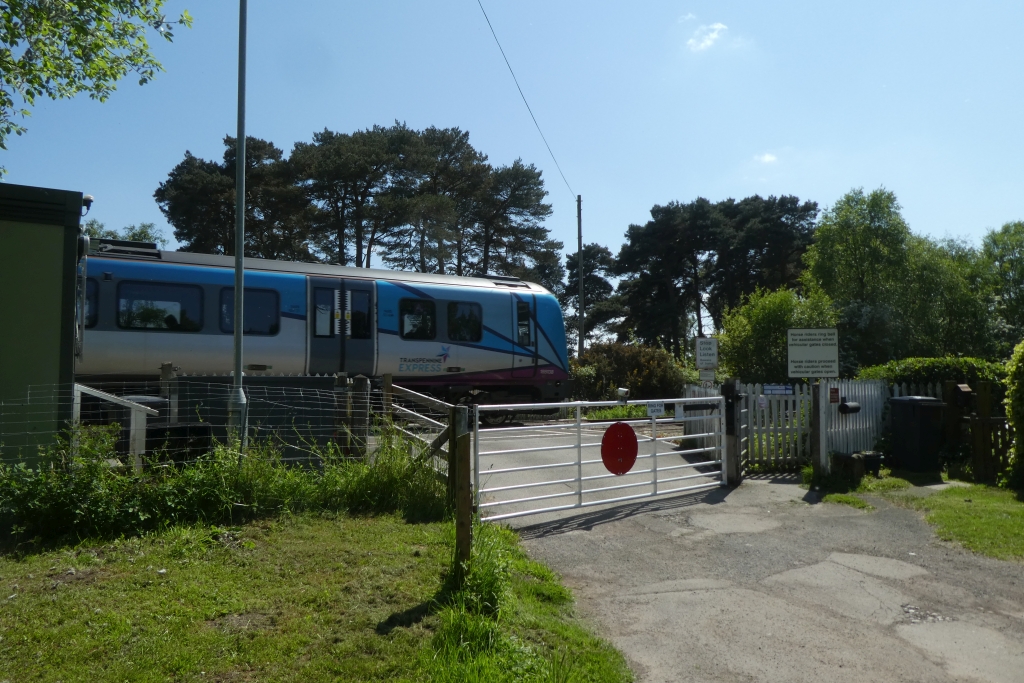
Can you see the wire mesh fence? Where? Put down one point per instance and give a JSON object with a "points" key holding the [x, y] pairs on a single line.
{"points": [[181, 419]]}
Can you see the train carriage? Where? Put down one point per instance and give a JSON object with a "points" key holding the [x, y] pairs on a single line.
{"points": [[451, 336]]}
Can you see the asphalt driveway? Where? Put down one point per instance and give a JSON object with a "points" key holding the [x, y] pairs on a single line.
{"points": [[762, 584]]}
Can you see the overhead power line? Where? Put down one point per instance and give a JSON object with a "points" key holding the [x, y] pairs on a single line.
{"points": [[498, 42]]}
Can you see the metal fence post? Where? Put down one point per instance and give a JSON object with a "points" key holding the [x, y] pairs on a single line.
{"points": [[654, 453], [463, 492], [137, 438], [579, 456], [361, 415], [476, 456], [387, 394]]}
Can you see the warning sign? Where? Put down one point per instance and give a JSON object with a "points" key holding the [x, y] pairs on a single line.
{"points": [[619, 448], [707, 353], [813, 352]]}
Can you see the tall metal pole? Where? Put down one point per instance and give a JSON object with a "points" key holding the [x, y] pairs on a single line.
{"points": [[236, 407], [579, 271]]}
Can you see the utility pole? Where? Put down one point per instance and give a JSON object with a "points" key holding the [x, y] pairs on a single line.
{"points": [[579, 270], [236, 402]]}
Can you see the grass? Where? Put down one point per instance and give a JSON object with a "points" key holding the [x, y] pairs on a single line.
{"points": [[847, 499], [624, 412], [983, 519], [310, 597], [841, 490]]}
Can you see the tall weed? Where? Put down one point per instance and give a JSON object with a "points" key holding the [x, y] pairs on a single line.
{"points": [[80, 490]]}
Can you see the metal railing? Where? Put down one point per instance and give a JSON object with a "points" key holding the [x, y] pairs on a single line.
{"points": [[520, 469]]}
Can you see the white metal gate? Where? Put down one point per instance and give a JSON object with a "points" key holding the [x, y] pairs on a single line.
{"points": [[544, 465]]}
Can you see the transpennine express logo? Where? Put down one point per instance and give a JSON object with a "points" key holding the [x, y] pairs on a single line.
{"points": [[444, 353]]}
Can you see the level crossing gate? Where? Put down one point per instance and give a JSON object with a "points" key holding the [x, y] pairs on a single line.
{"points": [[550, 459]]}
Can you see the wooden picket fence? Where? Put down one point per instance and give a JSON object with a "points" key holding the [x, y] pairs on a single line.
{"points": [[778, 428], [779, 425]]}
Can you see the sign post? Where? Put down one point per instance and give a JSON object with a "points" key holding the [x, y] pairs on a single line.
{"points": [[707, 360], [814, 353]]}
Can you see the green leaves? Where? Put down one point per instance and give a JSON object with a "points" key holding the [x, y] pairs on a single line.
{"points": [[59, 50]]}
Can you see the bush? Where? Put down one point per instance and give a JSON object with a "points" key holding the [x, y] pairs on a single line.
{"points": [[936, 370], [648, 372], [75, 493], [1014, 403], [753, 344]]}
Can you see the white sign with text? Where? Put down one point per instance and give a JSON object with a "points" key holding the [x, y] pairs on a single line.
{"points": [[655, 409], [813, 352], [707, 353]]}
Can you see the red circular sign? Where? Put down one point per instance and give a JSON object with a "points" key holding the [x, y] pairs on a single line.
{"points": [[619, 448]]}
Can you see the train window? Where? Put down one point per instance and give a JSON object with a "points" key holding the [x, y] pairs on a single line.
{"points": [[159, 306], [323, 316], [91, 302], [261, 313], [418, 318], [465, 322], [360, 312], [523, 322]]}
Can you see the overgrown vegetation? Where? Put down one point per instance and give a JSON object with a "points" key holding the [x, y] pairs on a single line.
{"points": [[648, 372], [1014, 403], [625, 412], [936, 370], [75, 493], [753, 342]]}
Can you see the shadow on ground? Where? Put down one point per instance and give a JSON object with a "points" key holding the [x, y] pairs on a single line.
{"points": [[589, 520]]}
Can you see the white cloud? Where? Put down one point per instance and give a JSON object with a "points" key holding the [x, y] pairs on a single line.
{"points": [[705, 36], [766, 158], [689, 16]]}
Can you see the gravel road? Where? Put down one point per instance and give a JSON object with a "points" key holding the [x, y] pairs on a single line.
{"points": [[760, 583]]}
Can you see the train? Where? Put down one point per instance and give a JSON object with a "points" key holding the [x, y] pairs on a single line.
{"points": [[492, 338]]}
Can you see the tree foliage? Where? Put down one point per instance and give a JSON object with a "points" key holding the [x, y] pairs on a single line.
{"points": [[143, 232], [198, 200], [648, 372], [417, 200], [753, 344], [698, 258], [60, 49], [898, 295]]}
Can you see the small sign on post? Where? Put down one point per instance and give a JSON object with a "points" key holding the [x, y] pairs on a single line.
{"points": [[833, 394], [813, 352], [655, 409], [707, 353]]}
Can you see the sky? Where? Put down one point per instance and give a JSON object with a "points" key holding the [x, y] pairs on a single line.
{"points": [[642, 103]]}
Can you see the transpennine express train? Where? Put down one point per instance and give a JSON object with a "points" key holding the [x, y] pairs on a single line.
{"points": [[441, 334]]}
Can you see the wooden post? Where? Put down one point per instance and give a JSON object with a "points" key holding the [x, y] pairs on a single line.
{"points": [[463, 493], [981, 434], [361, 415], [816, 430], [952, 415]]}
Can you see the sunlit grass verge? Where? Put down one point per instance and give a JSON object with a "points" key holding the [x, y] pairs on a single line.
{"points": [[841, 490], [307, 597], [984, 519], [75, 493], [513, 621]]}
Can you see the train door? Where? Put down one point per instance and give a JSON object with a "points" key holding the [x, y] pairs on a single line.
{"points": [[524, 350], [360, 328], [324, 326]]}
